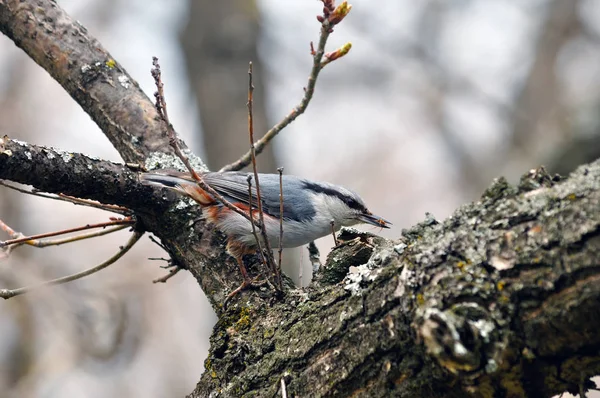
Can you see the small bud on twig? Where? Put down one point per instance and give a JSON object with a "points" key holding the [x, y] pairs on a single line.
{"points": [[340, 52], [339, 13]]}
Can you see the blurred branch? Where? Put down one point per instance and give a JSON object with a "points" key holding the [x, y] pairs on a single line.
{"points": [[539, 95], [259, 146], [9, 293], [218, 40], [34, 240]]}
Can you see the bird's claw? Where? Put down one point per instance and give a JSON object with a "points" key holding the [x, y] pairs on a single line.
{"points": [[247, 283]]}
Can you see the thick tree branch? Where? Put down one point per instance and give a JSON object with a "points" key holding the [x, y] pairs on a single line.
{"points": [[500, 299], [56, 171], [77, 61]]}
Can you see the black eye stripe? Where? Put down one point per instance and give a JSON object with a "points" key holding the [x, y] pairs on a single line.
{"points": [[349, 201]]}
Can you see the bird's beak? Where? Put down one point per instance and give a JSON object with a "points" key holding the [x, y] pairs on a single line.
{"points": [[374, 220]]}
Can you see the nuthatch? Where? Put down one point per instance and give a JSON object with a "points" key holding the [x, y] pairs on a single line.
{"points": [[309, 208]]}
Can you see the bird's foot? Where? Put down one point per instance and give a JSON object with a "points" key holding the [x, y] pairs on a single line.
{"points": [[246, 284]]}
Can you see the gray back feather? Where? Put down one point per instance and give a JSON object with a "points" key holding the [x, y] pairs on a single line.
{"points": [[234, 187]]}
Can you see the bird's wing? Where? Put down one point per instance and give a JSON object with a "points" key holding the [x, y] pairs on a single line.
{"points": [[232, 185]]}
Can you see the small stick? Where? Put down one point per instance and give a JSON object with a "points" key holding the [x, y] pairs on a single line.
{"points": [[161, 259], [161, 107], [8, 293], [11, 232], [121, 221], [70, 199], [332, 223], [76, 238], [299, 109], [93, 203], [261, 224], [249, 179], [172, 273], [5, 252], [280, 170], [154, 240]]}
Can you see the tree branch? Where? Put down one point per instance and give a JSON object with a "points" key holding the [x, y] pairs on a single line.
{"points": [[86, 70], [497, 300], [9, 293], [56, 171]]}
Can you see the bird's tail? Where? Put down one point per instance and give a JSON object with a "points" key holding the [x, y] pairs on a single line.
{"points": [[179, 182]]}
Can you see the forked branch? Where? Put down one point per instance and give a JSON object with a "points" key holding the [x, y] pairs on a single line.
{"points": [[331, 17]]}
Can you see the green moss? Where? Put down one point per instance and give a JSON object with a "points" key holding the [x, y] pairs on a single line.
{"points": [[244, 319], [268, 333]]}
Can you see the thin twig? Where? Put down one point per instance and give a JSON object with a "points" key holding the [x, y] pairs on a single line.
{"points": [[332, 223], [161, 259], [120, 221], [93, 203], [76, 238], [153, 239], [8, 293], [11, 232], [172, 273], [280, 171], [262, 226], [70, 199], [260, 250], [5, 252], [260, 145], [161, 107]]}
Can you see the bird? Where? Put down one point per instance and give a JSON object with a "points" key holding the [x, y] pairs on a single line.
{"points": [[311, 209]]}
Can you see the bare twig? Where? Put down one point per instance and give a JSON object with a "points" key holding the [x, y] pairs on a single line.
{"points": [[262, 254], [93, 203], [70, 199], [155, 241], [11, 232], [8, 293], [280, 171], [263, 228], [172, 273], [161, 107], [332, 223], [161, 259], [24, 239], [56, 242], [5, 252], [260, 145]]}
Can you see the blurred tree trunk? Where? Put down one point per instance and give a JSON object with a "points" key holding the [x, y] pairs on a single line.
{"points": [[219, 40], [539, 119]]}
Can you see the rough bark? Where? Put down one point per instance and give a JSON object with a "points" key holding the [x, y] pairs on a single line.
{"points": [[500, 299]]}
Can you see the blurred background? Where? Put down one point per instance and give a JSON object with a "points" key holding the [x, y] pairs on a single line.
{"points": [[435, 99]]}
